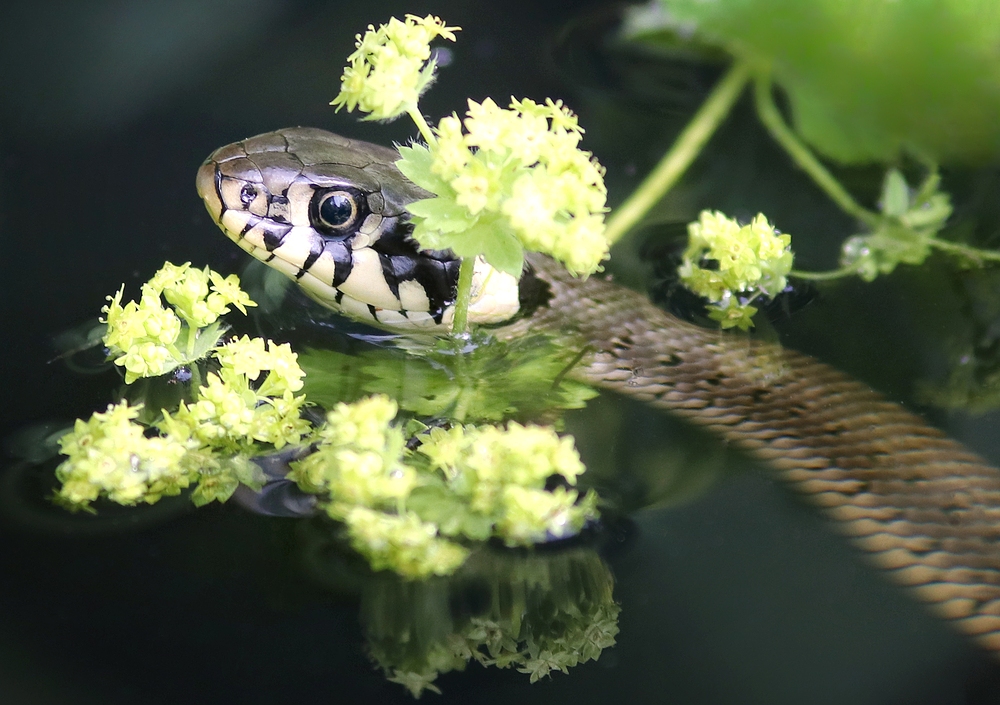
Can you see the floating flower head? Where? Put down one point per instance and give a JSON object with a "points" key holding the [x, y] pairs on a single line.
{"points": [[391, 67], [731, 265], [148, 339], [110, 455]]}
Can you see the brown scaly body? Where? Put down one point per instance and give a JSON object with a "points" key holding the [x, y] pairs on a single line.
{"points": [[924, 508]]}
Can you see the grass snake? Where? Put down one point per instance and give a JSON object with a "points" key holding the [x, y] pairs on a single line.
{"points": [[330, 213]]}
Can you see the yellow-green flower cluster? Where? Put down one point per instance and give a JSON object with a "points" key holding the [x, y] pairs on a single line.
{"points": [[248, 357], [731, 265], [401, 507], [359, 459], [359, 465], [391, 67], [507, 179], [110, 455], [148, 339], [402, 543], [141, 336], [501, 474], [230, 414], [207, 440], [199, 296]]}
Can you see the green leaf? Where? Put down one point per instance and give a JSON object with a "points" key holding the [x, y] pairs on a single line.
{"points": [[487, 235], [733, 314], [431, 238], [864, 79], [206, 339], [215, 488], [442, 214], [450, 512], [493, 239], [895, 194], [414, 426], [247, 472], [415, 164], [505, 252], [929, 215], [885, 249]]}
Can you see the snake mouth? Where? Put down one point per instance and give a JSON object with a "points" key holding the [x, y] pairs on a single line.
{"points": [[330, 214]]}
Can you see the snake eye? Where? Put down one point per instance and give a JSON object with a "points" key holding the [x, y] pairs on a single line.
{"points": [[337, 210]]}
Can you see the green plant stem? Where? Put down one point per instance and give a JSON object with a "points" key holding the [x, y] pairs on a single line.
{"points": [[967, 251], [462, 296], [195, 380], [425, 129], [192, 338], [685, 149], [461, 408], [800, 154], [956, 249], [824, 276]]}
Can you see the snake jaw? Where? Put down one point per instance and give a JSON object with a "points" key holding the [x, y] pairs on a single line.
{"points": [[264, 192]]}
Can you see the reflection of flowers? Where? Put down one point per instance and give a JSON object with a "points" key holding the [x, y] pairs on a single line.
{"points": [[536, 613]]}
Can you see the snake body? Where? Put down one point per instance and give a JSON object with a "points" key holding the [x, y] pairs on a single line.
{"points": [[924, 508]]}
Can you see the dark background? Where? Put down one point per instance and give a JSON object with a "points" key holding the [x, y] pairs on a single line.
{"points": [[742, 595]]}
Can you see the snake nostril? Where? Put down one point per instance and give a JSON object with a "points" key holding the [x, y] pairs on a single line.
{"points": [[247, 194]]}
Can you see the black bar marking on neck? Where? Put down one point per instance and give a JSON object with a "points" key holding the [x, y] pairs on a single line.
{"points": [[343, 261], [389, 272]]}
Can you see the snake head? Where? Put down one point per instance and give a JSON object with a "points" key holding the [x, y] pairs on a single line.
{"points": [[330, 213]]}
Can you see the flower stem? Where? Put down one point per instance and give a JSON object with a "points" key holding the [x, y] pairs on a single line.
{"points": [[192, 338], [195, 380], [960, 250], [462, 296], [685, 149], [824, 276], [802, 156], [425, 129]]}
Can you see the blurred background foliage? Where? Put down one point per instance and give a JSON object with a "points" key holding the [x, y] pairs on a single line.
{"points": [[866, 79]]}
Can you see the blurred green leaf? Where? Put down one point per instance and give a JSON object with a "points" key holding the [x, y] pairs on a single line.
{"points": [[895, 194], [867, 78], [913, 219]]}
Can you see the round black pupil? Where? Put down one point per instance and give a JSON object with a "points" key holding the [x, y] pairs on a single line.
{"points": [[247, 194], [336, 209]]}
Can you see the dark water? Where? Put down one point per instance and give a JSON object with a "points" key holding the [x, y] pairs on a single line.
{"points": [[731, 590]]}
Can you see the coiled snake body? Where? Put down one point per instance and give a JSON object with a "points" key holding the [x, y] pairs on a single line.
{"points": [[330, 212]]}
